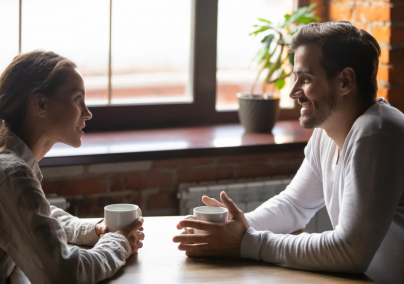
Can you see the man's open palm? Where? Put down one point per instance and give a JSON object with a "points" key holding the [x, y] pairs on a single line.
{"points": [[223, 240]]}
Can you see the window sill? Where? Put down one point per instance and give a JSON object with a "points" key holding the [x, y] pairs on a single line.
{"points": [[156, 144]]}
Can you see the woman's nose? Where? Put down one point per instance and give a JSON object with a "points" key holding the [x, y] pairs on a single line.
{"points": [[86, 114]]}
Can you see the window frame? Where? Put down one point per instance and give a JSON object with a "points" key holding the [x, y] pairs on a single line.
{"points": [[202, 110]]}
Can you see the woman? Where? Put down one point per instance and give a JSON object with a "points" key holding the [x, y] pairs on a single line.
{"points": [[42, 103]]}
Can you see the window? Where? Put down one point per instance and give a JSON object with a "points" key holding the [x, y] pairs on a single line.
{"points": [[145, 63], [76, 29], [235, 48], [150, 51], [9, 32]]}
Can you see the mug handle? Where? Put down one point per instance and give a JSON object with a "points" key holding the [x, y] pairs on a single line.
{"points": [[140, 212]]}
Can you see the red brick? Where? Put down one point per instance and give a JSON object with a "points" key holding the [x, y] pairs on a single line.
{"points": [[384, 56], [205, 174], [372, 13], [382, 34], [382, 93], [383, 73], [397, 56], [397, 14], [389, 1], [397, 34], [141, 180], [388, 34], [68, 187], [396, 74], [162, 201], [361, 26], [179, 163], [94, 206], [340, 12], [391, 74], [395, 94], [319, 9], [399, 105], [401, 108]]}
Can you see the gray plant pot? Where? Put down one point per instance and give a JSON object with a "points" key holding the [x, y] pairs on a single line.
{"points": [[257, 114]]}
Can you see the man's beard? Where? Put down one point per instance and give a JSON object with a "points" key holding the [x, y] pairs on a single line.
{"points": [[321, 111]]}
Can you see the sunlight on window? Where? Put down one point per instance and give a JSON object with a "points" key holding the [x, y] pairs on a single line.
{"points": [[64, 150], [236, 49], [150, 51], [227, 142], [8, 32], [76, 29]]}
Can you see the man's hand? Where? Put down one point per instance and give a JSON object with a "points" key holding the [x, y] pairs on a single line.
{"points": [[208, 201], [133, 233], [223, 239]]}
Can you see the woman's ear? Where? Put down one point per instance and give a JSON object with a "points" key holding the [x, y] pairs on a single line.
{"points": [[38, 104]]}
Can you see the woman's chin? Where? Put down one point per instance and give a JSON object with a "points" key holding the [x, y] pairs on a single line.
{"points": [[74, 144], [77, 144]]}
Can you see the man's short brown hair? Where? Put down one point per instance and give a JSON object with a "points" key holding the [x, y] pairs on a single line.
{"points": [[343, 45]]}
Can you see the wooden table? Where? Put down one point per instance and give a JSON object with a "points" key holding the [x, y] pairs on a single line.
{"points": [[159, 261]]}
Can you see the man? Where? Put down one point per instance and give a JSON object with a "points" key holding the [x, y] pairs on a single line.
{"points": [[354, 165]]}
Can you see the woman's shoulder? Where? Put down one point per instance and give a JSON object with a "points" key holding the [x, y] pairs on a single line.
{"points": [[12, 166]]}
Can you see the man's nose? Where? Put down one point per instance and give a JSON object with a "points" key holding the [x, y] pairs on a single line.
{"points": [[296, 92]]}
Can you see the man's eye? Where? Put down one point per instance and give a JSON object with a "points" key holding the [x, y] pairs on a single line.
{"points": [[306, 80]]}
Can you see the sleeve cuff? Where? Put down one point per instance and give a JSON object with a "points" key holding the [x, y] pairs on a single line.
{"points": [[251, 244], [89, 235], [123, 243]]}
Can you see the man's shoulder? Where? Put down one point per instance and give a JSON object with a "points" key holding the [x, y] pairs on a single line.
{"points": [[382, 119]]}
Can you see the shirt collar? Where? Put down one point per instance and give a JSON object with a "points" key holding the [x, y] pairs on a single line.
{"points": [[21, 149], [382, 101]]}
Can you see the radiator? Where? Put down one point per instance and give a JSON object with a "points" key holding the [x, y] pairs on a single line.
{"points": [[248, 194], [58, 201]]}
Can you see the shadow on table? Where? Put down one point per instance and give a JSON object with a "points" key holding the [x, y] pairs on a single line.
{"points": [[133, 263], [130, 262], [243, 263]]}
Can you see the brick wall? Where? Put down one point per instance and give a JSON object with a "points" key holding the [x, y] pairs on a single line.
{"points": [[154, 184], [384, 19]]}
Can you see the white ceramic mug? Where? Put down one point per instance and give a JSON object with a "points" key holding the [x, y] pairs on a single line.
{"points": [[209, 214], [118, 216]]}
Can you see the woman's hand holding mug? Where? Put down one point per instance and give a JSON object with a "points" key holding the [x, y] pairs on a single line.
{"points": [[126, 220]]}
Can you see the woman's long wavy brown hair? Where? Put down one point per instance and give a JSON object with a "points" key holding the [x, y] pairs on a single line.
{"points": [[33, 72]]}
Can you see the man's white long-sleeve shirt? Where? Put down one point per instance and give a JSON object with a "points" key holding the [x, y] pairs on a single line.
{"points": [[34, 235], [363, 195]]}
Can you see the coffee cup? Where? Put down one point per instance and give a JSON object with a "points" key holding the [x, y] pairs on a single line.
{"points": [[209, 214], [118, 216]]}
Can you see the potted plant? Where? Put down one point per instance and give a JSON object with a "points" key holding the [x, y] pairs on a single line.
{"points": [[258, 112]]}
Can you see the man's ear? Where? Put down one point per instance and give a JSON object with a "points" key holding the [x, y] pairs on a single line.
{"points": [[38, 104], [347, 81]]}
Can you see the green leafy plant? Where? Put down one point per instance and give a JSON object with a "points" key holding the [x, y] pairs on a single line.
{"points": [[272, 55]]}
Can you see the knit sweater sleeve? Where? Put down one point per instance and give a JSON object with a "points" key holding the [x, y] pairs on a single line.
{"points": [[373, 185], [293, 208], [37, 242]]}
